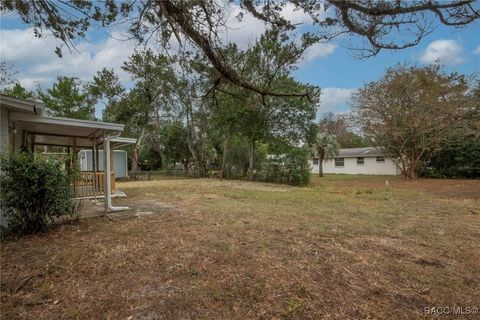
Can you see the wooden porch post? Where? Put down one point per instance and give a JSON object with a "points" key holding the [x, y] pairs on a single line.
{"points": [[106, 180], [94, 167], [112, 169], [32, 143], [74, 164], [96, 152]]}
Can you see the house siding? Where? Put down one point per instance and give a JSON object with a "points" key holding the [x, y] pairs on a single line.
{"points": [[370, 166], [4, 135], [4, 143], [119, 162]]}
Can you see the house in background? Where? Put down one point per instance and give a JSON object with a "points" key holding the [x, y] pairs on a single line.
{"points": [[367, 160], [120, 162]]}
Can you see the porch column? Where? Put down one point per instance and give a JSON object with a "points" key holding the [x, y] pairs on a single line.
{"points": [[107, 168], [94, 167], [74, 164], [106, 177], [112, 168]]}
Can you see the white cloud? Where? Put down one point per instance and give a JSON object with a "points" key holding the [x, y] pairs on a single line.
{"points": [[477, 50], [242, 32], [248, 29], [334, 99], [38, 64], [295, 16], [447, 52], [318, 50]]}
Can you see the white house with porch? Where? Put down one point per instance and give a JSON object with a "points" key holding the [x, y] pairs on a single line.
{"points": [[368, 160], [23, 126]]}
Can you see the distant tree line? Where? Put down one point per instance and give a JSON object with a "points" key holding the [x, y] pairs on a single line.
{"points": [[425, 120], [179, 122], [213, 100]]}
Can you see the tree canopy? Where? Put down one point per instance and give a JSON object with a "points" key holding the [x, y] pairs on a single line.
{"points": [[67, 98], [377, 25], [339, 125], [18, 91]]}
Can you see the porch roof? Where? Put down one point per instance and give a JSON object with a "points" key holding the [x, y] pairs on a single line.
{"points": [[65, 131], [21, 105], [121, 142]]}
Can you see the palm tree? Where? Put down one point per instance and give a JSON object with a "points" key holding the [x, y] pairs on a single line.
{"points": [[326, 147]]}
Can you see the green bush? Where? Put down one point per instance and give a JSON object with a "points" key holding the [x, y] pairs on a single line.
{"points": [[34, 191], [291, 168], [460, 161]]}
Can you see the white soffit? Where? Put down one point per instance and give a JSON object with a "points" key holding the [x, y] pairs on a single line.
{"points": [[61, 131], [65, 126]]}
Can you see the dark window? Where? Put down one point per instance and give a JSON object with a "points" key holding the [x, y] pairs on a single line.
{"points": [[315, 160], [381, 159], [360, 161], [339, 162]]}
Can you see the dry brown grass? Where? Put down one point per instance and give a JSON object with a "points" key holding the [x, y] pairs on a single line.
{"points": [[345, 248]]}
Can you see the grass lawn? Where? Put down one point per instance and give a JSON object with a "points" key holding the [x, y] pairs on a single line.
{"points": [[347, 247]]}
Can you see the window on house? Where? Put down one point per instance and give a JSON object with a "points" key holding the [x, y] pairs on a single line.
{"points": [[360, 161], [380, 159], [315, 160], [339, 162]]}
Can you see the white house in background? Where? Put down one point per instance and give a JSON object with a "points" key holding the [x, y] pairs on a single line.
{"points": [[120, 162], [367, 160]]}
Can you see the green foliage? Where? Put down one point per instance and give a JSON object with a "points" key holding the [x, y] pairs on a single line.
{"points": [[173, 137], [291, 167], [67, 98], [236, 165], [18, 91], [150, 159], [326, 145], [273, 163], [35, 191], [462, 161], [105, 87]]}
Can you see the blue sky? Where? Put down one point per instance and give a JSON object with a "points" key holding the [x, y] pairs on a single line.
{"points": [[331, 66]]}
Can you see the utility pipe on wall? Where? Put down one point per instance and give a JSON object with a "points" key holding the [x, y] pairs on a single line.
{"points": [[106, 167]]}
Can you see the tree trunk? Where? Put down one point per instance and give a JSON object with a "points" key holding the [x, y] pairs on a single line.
{"points": [[320, 165], [411, 172], [135, 156], [250, 160], [134, 169], [224, 158], [196, 161], [199, 169]]}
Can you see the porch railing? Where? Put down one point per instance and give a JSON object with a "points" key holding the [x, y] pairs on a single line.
{"points": [[92, 183]]}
